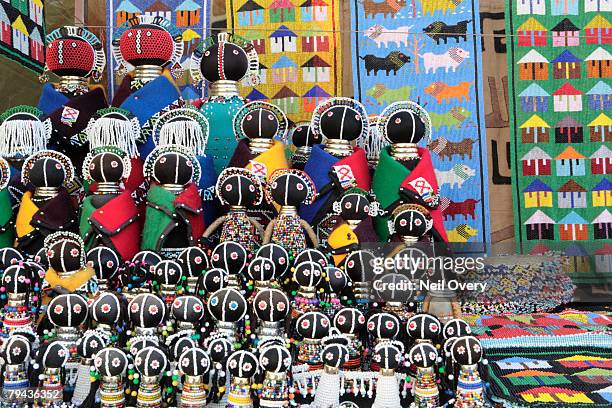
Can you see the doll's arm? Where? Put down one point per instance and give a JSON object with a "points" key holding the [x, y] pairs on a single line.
{"points": [[257, 225], [310, 232], [214, 226], [268, 233]]}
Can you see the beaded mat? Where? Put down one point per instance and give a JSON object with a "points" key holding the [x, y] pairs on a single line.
{"points": [[568, 322], [559, 371]]}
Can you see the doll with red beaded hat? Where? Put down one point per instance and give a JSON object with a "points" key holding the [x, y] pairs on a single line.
{"points": [[404, 173], [223, 60], [74, 54], [289, 188], [23, 132], [146, 45], [174, 218], [109, 216], [7, 220], [239, 189], [47, 206], [336, 165]]}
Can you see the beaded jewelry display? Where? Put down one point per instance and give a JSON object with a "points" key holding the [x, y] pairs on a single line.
{"points": [[147, 44], [239, 188], [288, 188], [74, 54], [114, 127], [23, 132]]}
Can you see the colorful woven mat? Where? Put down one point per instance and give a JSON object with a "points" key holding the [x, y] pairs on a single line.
{"points": [[568, 322], [22, 37], [552, 371]]}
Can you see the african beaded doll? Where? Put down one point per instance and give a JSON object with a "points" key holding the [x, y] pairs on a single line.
{"points": [[7, 219], [425, 388], [194, 364], [47, 206], [308, 275], [17, 352], [105, 263], [303, 139], [75, 55], [111, 364], [228, 308], [146, 312], [223, 60], [87, 346], [151, 363], [388, 356], [274, 361], [20, 284], [404, 173], [350, 322], [311, 328], [239, 189], [242, 366], [232, 258], [270, 308], [466, 351], [334, 355], [109, 216], [195, 263], [288, 188]]}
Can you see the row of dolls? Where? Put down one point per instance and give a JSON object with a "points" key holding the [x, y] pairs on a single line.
{"points": [[224, 130], [227, 328]]}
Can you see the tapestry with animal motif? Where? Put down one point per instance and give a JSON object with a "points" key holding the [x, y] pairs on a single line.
{"points": [[22, 37], [298, 42], [426, 51], [560, 95], [549, 371], [191, 17]]}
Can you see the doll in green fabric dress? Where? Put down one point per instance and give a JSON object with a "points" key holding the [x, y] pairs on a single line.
{"points": [[7, 221]]}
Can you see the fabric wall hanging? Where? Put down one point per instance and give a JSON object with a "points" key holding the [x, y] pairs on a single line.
{"points": [[426, 51], [298, 42], [561, 69], [190, 16], [22, 37]]}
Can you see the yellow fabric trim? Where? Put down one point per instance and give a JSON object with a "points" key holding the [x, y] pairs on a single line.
{"points": [[27, 209], [341, 236], [274, 158], [71, 283]]}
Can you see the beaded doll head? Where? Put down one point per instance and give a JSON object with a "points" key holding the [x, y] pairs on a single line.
{"points": [[410, 220], [188, 309], [311, 255], [424, 327], [271, 305], [334, 355], [16, 350], [146, 311], [106, 165], [74, 52], [302, 136], [147, 41], [387, 291], [91, 343], [225, 58], [114, 127], [227, 305], [388, 354], [104, 261], [308, 275], [358, 265], [54, 355], [179, 343], [229, 256], [336, 279], [47, 168], [9, 256], [194, 362], [340, 119], [313, 325], [274, 358], [404, 122], [260, 120], [184, 126], [466, 350], [168, 272], [278, 255], [67, 310], [23, 132], [194, 261], [151, 362], [261, 269], [107, 309], [242, 364], [213, 280], [172, 165], [17, 279], [290, 187], [65, 251], [239, 187], [383, 326], [111, 362], [349, 321], [356, 204], [423, 355], [456, 328]]}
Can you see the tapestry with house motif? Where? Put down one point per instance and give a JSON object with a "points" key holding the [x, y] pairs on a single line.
{"points": [[298, 42], [426, 51], [22, 37], [561, 98], [549, 371], [191, 17]]}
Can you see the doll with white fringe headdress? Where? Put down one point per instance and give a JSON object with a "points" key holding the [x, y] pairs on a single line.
{"points": [[289, 188], [239, 189]]}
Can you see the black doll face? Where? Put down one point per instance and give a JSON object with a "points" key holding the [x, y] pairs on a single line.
{"points": [[224, 61], [47, 172], [106, 167], [173, 168], [411, 223], [260, 123], [65, 256], [303, 136], [238, 190], [354, 207], [289, 189], [341, 122], [405, 127], [104, 261]]}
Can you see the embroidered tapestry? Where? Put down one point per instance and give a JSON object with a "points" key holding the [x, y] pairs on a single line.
{"points": [[22, 37], [426, 51], [190, 16], [298, 42], [560, 96]]}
